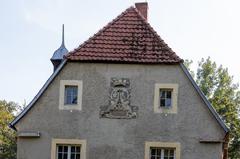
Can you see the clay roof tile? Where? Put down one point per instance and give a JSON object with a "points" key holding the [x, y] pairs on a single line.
{"points": [[128, 38]]}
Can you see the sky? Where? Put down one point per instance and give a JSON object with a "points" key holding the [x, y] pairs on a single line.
{"points": [[30, 31]]}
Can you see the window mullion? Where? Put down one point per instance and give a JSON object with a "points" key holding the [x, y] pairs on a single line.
{"points": [[174, 154], [69, 152], [162, 153]]}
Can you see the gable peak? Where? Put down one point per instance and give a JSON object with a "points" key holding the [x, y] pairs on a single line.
{"points": [[128, 38]]}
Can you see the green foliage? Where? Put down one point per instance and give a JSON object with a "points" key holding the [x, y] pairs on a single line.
{"points": [[207, 76], [188, 63], [224, 95], [7, 136]]}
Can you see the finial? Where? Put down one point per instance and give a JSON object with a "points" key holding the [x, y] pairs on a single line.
{"points": [[63, 35], [58, 55]]}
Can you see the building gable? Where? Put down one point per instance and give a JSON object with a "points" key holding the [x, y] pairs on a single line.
{"points": [[127, 39]]}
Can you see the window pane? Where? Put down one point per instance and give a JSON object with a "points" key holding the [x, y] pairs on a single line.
{"points": [[65, 156], [153, 151], [60, 149], [72, 148], [70, 95], [165, 153], [77, 156], [159, 152], [163, 93], [169, 94], [165, 97], [74, 91], [68, 151], [78, 149], [162, 102], [168, 102], [72, 156], [74, 100], [60, 156], [171, 153], [67, 100], [65, 149]]}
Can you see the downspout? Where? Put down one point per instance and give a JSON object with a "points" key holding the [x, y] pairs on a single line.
{"points": [[225, 146]]}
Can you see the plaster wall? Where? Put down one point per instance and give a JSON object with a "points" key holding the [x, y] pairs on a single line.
{"points": [[121, 138]]}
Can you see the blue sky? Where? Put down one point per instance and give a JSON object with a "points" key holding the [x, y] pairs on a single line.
{"points": [[31, 31]]}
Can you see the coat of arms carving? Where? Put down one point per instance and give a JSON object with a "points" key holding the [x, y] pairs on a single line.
{"points": [[119, 101]]}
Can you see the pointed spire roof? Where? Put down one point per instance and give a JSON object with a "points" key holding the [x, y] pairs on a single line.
{"points": [[61, 51], [127, 39]]}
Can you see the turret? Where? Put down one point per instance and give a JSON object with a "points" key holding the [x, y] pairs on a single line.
{"points": [[58, 55]]}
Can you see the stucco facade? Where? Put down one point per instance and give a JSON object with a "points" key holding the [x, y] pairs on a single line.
{"points": [[121, 138]]}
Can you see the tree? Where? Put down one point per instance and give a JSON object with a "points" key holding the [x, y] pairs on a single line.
{"points": [[217, 85], [7, 136], [188, 63]]}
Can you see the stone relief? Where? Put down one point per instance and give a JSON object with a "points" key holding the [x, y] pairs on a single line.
{"points": [[119, 101]]}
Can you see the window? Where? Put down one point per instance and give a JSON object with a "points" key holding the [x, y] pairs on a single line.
{"points": [[68, 151], [165, 98], [70, 95], [162, 150], [162, 153]]}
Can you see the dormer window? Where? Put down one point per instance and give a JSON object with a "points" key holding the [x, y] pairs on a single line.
{"points": [[70, 95]]}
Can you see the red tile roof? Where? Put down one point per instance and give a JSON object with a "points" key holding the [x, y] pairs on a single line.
{"points": [[127, 39]]}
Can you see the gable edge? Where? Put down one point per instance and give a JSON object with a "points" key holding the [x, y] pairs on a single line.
{"points": [[39, 94], [204, 98]]}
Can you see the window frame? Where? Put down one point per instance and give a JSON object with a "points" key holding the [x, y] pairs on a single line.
{"points": [[67, 89], [174, 98], [63, 84], [69, 150], [68, 142], [162, 152], [166, 90], [162, 145]]}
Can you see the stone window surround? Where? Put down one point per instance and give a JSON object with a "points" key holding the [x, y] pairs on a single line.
{"points": [[174, 145], [173, 108], [82, 143], [64, 83]]}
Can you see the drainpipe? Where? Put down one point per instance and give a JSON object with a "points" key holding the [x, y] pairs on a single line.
{"points": [[225, 146]]}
